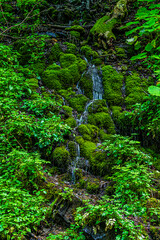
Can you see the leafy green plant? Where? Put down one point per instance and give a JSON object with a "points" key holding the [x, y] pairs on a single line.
{"points": [[145, 34]]}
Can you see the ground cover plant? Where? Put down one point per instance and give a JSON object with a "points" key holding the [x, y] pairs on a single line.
{"points": [[74, 167]]}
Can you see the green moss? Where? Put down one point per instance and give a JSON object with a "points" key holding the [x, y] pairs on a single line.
{"points": [[97, 61], [61, 78], [71, 48], [79, 140], [67, 110], [78, 102], [75, 28], [103, 27], [82, 65], [135, 89], [51, 79], [112, 82], [86, 85], [71, 122], [88, 52], [103, 135], [75, 34], [61, 158], [54, 66], [87, 149], [101, 164], [102, 120], [72, 149], [93, 187], [98, 106], [67, 59], [100, 26], [55, 53], [89, 132], [38, 67]]}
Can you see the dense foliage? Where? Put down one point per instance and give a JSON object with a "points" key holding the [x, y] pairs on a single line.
{"points": [[55, 140]]}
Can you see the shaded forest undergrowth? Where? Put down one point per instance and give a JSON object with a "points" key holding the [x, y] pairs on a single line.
{"points": [[74, 164]]}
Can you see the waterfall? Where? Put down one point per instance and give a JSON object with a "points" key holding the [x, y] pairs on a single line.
{"points": [[97, 84], [75, 163]]}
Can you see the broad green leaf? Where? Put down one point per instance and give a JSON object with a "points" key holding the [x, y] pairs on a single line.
{"points": [[148, 47], [155, 91], [139, 56]]}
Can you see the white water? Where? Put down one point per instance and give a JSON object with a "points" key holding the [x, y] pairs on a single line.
{"points": [[75, 163]]}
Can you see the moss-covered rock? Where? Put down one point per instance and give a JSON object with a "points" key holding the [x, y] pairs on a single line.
{"points": [[97, 61], [38, 67], [61, 158], [98, 106], [67, 59], [55, 53], [86, 85], [87, 149], [112, 82], [71, 48], [78, 102], [76, 28], [93, 187], [67, 110], [102, 120], [135, 89], [89, 132], [82, 65], [51, 79], [72, 149], [71, 122], [88, 52], [75, 34]]}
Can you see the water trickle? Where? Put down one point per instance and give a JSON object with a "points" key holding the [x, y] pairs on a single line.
{"points": [[83, 118], [75, 162]]}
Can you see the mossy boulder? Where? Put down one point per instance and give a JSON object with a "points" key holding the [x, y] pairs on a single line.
{"points": [[101, 164], [87, 149], [67, 110], [61, 78], [88, 52], [61, 158], [98, 106], [112, 82], [67, 75], [102, 120], [89, 132], [76, 101], [72, 146], [55, 53], [93, 187], [38, 67], [71, 122], [51, 79], [71, 48], [67, 59], [135, 89], [82, 65], [86, 85]]}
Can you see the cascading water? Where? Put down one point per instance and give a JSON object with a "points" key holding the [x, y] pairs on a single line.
{"points": [[97, 90], [75, 162]]}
